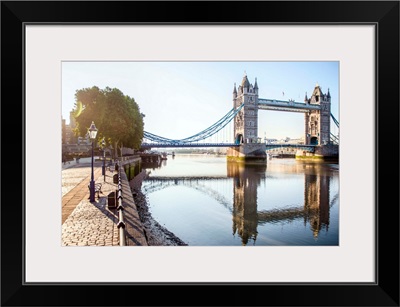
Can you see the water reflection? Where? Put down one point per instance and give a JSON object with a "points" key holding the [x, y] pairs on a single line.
{"points": [[316, 198], [246, 216], [260, 197]]}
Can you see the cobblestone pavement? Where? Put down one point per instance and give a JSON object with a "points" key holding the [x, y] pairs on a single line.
{"points": [[85, 223], [71, 177]]}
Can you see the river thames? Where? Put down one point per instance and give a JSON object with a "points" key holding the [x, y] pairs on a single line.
{"points": [[206, 201]]}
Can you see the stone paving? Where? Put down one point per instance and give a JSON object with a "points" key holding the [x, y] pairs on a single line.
{"points": [[94, 224], [72, 177]]}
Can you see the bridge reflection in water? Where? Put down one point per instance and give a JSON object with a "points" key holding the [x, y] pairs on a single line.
{"points": [[246, 217], [251, 207]]}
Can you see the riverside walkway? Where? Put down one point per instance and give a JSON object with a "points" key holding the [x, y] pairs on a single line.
{"points": [[86, 223]]}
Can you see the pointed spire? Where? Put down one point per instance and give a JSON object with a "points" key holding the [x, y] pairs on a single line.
{"points": [[234, 89], [305, 98], [245, 81], [329, 94], [317, 90], [256, 85]]}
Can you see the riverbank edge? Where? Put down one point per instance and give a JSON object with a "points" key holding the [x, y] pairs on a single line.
{"points": [[317, 158], [155, 233]]}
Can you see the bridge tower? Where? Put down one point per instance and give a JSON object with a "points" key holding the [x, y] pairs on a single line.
{"points": [[246, 124], [317, 122]]}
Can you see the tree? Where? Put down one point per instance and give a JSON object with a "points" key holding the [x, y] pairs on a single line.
{"points": [[116, 116]]}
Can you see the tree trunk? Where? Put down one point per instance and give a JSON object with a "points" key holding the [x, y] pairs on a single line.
{"points": [[120, 149], [116, 150]]}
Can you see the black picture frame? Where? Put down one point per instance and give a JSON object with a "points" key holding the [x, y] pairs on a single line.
{"points": [[383, 14]]}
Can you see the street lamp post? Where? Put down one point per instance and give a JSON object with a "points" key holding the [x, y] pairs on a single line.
{"points": [[92, 136], [103, 143]]}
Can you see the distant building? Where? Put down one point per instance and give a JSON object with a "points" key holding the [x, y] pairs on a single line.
{"points": [[72, 121], [63, 132], [68, 136]]}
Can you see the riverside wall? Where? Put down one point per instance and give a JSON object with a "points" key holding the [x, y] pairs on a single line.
{"points": [[135, 231]]}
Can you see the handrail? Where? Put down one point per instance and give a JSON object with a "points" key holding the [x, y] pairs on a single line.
{"points": [[121, 223]]}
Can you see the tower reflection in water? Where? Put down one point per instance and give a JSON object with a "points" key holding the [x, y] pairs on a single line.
{"points": [[208, 201], [246, 217], [246, 177]]}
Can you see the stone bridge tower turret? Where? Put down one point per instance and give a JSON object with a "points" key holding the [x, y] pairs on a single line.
{"points": [[246, 123], [317, 122]]}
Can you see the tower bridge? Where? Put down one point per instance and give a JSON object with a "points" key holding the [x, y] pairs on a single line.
{"points": [[245, 144]]}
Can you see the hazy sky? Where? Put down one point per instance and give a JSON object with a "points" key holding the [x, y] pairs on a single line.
{"points": [[180, 99]]}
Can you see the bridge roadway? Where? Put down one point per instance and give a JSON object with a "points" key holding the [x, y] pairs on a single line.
{"points": [[186, 145], [309, 148]]}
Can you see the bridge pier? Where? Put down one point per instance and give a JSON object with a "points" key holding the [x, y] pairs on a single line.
{"points": [[248, 152], [328, 152]]}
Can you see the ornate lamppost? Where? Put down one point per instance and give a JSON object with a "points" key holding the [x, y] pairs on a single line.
{"points": [[92, 136], [103, 143]]}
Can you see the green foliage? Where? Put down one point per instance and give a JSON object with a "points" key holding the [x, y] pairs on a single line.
{"points": [[116, 116]]}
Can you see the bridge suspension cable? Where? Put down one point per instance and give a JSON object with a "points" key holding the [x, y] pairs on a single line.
{"points": [[213, 129], [335, 138], [335, 120]]}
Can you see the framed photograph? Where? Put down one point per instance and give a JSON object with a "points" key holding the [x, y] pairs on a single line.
{"points": [[186, 64]]}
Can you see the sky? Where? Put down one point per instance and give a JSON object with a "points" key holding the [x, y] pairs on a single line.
{"points": [[180, 99]]}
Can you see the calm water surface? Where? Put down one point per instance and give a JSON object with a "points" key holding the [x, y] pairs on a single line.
{"points": [[207, 201]]}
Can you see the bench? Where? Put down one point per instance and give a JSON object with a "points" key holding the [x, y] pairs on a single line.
{"points": [[97, 189]]}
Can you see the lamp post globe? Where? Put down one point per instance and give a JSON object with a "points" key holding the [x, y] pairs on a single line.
{"points": [[92, 136]]}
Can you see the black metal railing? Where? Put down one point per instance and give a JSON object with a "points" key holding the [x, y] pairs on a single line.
{"points": [[121, 223]]}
